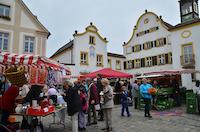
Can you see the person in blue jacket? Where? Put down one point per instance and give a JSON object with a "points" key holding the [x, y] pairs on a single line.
{"points": [[147, 97], [124, 101]]}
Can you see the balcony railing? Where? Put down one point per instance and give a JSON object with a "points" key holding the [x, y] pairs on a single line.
{"points": [[188, 62]]}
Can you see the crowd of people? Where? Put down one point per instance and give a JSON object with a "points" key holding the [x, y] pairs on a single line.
{"points": [[88, 100]]}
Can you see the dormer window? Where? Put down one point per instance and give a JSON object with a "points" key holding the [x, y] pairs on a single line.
{"points": [[4, 11], [92, 40]]}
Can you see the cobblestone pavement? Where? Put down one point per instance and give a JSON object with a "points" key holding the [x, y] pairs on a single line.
{"points": [[174, 120]]}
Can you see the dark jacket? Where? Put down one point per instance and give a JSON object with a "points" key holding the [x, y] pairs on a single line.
{"points": [[73, 101], [93, 94], [99, 85], [124, 98]]}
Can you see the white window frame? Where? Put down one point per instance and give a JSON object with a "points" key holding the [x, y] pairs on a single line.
{"points": [[5, 9], [3, 40], [92, 40], [137, 63], [187, 57], [129, 64], [118, 65], [84, 58], [161, 59], [149, 62], [99, 60], [29, 41]]}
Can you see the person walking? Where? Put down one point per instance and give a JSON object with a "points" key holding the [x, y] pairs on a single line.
{"points": [[81, 115], [100, 89], [72, 97], [135, 93], [125, 101], [107, 104], [92, 101], [147, 97]]}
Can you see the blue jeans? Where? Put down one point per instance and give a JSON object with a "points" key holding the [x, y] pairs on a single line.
{"points": [[125, 107]]}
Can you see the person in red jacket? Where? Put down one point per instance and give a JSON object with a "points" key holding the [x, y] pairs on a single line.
{"points": [[7, 103]]}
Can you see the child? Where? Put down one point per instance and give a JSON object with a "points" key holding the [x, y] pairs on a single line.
{"points": [[124, 101], [81, 116]]}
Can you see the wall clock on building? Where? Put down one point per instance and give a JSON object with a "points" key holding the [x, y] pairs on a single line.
{"points": [[186, 34]]}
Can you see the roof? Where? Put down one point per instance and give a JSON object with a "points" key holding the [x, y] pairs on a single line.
{"points": [[115, 55], [185, 24], [167, 24], [63, 48], [34, 17]]}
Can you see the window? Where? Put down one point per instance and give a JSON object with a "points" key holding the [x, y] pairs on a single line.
{"points": [[170, 58], [29, 44], [128, 50], [129, 64], [4, 11], [99, 60], [137, 63], [187, 54], [148, 61], [137, 48], [166, 58], [125, 65], [92, 40], [147, 45], [4, 41], [84, 58], [161, 42], [109, 63], [161, 59], [118, 65]]}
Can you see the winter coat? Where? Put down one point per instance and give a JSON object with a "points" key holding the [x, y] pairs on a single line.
{"points": [[124, 98], [84, 104], [93, 94], [144, 91], [7, 101], [108, 98], [73, 101]]}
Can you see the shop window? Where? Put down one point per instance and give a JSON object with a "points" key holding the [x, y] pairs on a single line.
{"points": [[29, 43], [84, 58], [92, 40], [99, 60], [4, 37]]}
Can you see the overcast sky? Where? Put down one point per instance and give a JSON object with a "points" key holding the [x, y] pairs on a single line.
{"points": [[115, 19]]}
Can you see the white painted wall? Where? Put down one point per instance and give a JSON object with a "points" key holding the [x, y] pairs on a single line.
{"points": [[81, 43], [64, 57], [113, 62], [162, 32], [27, 22]]}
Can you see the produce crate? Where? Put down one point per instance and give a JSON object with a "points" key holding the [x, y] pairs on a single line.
{"points": [[191, 105]]}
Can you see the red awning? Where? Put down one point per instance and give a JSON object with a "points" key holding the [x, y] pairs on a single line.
{"points": [[9, 59], [108, 73]]}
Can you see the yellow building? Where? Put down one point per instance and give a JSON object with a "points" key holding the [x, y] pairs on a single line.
{"points": [[20, 31]]}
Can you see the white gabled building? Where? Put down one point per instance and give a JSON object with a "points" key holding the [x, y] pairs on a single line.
{"points": [[156, 45], [86, 53]]}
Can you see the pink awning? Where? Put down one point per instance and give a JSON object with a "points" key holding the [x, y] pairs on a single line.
{"points": [[108, 73], [172, 72]]}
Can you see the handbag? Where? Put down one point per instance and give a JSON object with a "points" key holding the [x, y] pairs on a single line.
{"points": [[97, 107]]}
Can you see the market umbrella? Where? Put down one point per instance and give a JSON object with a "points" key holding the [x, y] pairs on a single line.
{"points": [[108, 73]]}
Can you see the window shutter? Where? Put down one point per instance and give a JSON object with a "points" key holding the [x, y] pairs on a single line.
{"points": [[154, 60], [133, 49], [152, 44], [125, 65], [155, 43], [140, 47], [142, 62], [166, 59], [143, 46], [133, 64], [165, 41]]}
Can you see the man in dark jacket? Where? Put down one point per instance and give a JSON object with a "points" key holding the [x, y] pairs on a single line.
{"points": [[72, 98]]}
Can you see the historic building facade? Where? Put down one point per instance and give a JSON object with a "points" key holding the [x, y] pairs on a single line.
{"points": [[157, 45], [87, 52], [21, 31]]}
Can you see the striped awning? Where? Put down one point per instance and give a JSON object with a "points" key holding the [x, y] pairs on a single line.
{"points": [[28, 60]]}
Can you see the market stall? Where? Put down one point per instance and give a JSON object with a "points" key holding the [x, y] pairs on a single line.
{"points": [[35, 71]]}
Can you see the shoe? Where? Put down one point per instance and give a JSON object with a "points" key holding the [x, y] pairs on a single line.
{"points": [[150, 116], [109, 129], [122, 115], [104, 129], [81, 129], [129, 115], [94, 123], [88, 124], [101, 119], [146, 116]]}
